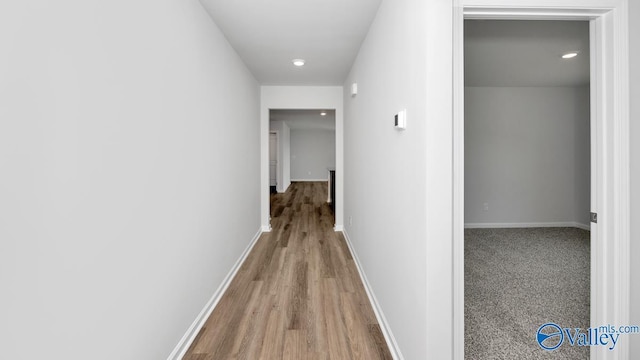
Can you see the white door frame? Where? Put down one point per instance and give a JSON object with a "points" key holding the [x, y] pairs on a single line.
{"points": [[308, 98], [610, 153], [278, 157]]}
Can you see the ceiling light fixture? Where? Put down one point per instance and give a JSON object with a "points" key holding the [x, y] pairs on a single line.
{"points": [[323, 113], [570, 55], [298, 62]]}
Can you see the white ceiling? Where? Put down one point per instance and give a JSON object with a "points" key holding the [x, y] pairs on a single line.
{"points": [[269, 34], [525, 53], [305, 119]]}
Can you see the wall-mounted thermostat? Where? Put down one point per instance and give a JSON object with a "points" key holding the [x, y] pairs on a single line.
{"points": [[400, 120]]}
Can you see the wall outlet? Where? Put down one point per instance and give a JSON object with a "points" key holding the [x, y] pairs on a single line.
{"points": [[485, 206], [308, 172], [350, 220]]}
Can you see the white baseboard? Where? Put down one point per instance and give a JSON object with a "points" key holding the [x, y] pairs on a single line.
{"points": [[266, 228], [339, 228], [184, 344], [384, 326], [582, 226], [282, 189], [526, 225]]}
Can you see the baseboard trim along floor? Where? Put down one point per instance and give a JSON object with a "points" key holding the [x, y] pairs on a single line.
{"points": [[572, 224], [180, 350], [382, 321]]}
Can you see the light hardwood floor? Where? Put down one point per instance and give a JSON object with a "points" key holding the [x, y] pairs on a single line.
{"points": [[297, 296]]}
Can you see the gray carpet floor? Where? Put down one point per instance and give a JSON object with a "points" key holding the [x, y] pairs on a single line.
{"points": [[518, 279]]}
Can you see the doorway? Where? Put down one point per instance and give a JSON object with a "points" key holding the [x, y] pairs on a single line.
{"points": [[609, 102], [273, 161], [304, 146], [527, 184], [301, 98]]}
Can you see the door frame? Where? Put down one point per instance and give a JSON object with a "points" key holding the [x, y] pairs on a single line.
{"points": [[278, 156], [300, 98], [610, 153]]}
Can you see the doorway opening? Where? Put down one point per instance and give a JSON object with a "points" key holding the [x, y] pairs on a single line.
{"points": [[273, 162], [302, 149], [301, 98], [527, 183], [609, 272]]}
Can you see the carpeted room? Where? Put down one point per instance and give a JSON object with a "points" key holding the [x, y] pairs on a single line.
{"points": [[527, 186]]}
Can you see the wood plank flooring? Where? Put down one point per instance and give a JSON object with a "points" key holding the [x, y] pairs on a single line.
{"points": [[297, 296]]}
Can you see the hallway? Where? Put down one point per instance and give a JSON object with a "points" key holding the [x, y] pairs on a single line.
{"points": [[298, 295]]}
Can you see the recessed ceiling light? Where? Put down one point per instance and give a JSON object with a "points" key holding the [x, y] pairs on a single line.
{"points": [[570, 55], [323, 113], [298, 62]]}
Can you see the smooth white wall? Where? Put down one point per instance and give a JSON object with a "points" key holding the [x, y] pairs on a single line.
{"points": [[284, 154], [527, 155], [634, 44], [117, 120], [398, 184], [301, 98], [313, 152]]}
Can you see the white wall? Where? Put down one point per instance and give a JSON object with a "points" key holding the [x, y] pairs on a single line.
{"points": [[527, 155], [634, 43], [313, 151], [284, 154], [116, 226], [398, 184], [301, 98]]}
